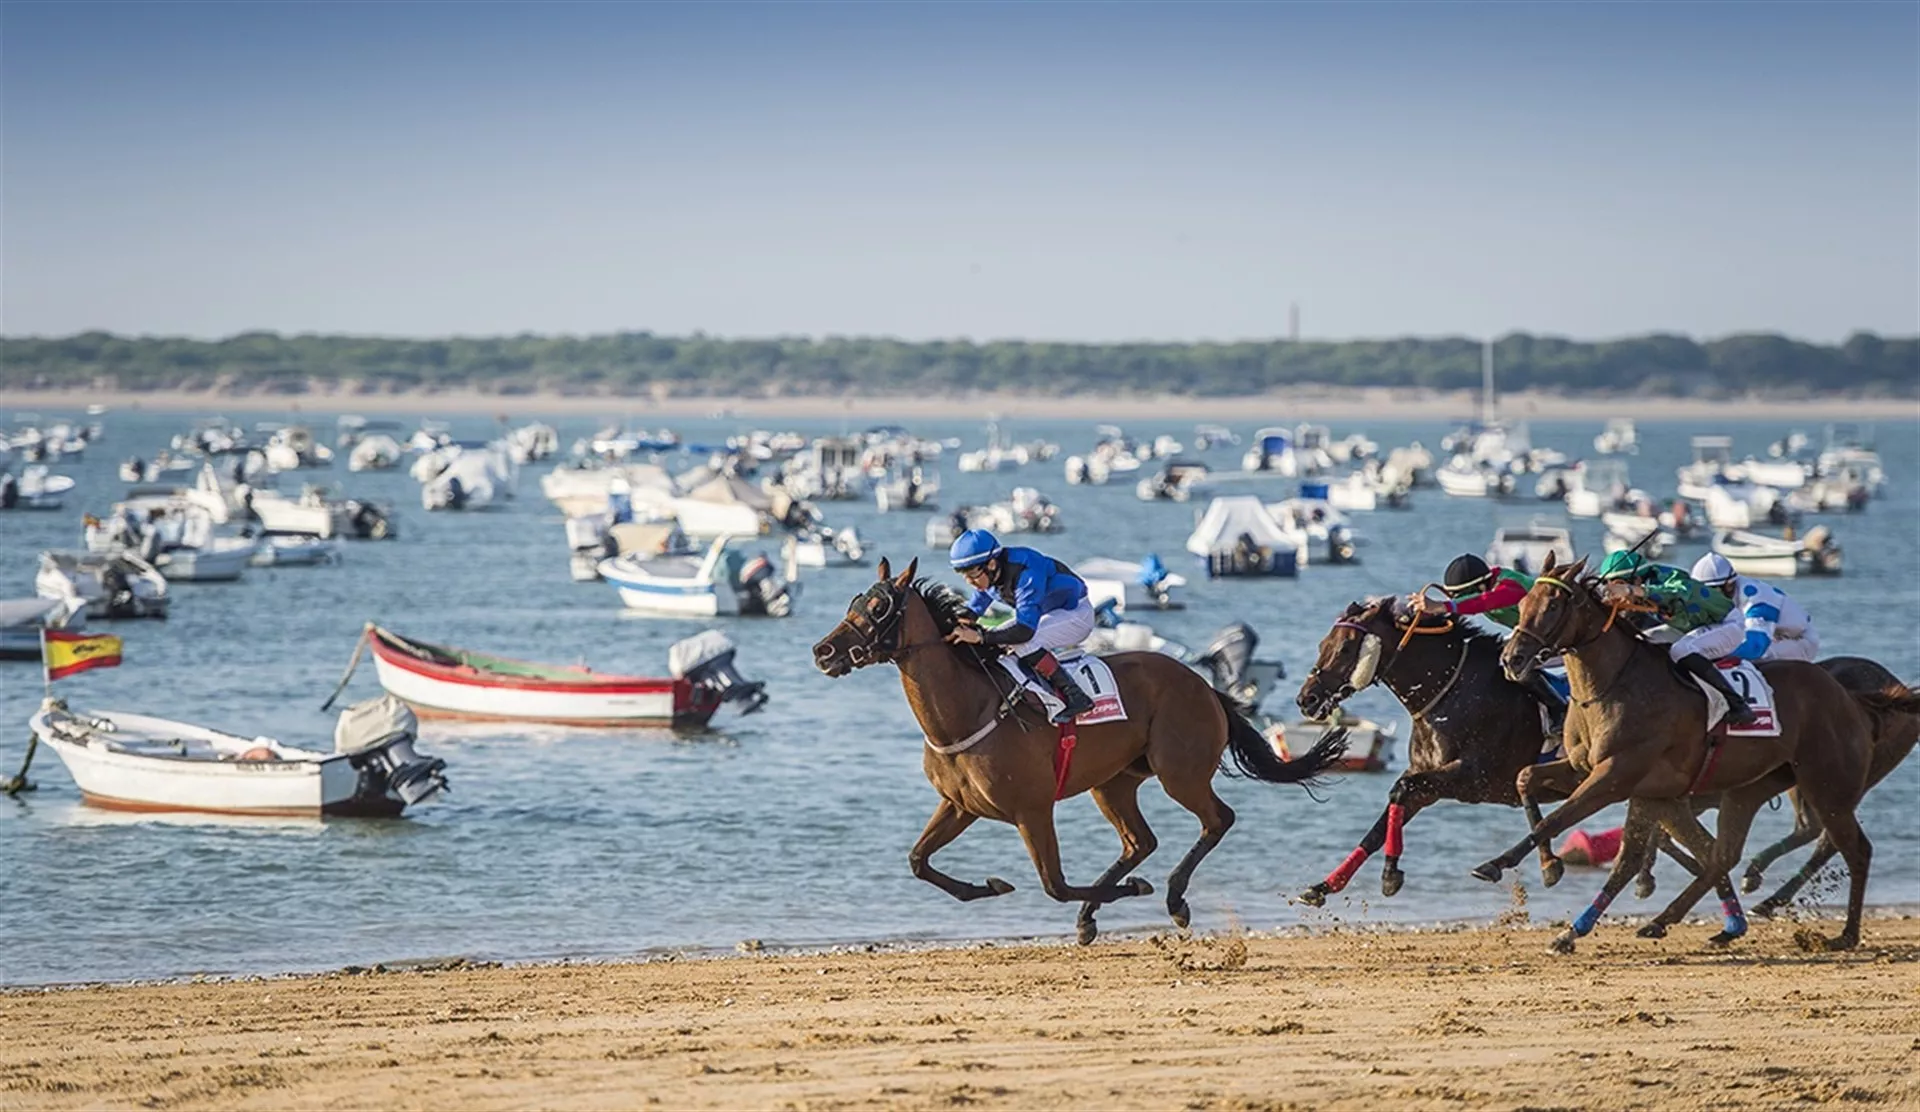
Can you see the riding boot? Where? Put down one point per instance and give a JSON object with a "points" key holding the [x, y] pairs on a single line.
{"points": [[1738, 712], [1542, 689], [1043, 664]]}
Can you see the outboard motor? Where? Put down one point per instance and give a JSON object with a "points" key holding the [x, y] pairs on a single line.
{"points": [[588, 540], [1340, 545], [706, 660], [762, 591], [1228, 662], [378, 736], [456, 493]]}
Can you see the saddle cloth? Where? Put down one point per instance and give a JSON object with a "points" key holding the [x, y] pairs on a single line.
{"points": [[1747, 680], [1093, 676]]}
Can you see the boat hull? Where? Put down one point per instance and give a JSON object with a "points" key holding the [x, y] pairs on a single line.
{"points": [[466, 694], [124, 782]]}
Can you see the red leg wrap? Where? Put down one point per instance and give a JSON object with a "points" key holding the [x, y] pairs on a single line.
{"points": [[1338, 878], [1396, 818]]}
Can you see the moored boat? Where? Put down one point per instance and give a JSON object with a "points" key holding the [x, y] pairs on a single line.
{"points": [[137, 762], [440, 681]]}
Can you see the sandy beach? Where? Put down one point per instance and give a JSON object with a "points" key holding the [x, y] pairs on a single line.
{"points": [[1330, 405], [1478, 1019]]}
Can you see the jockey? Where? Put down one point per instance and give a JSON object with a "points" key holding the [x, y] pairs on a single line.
{"points": [[1685, 604], [1762, 624], [1472, 587], [1050, 610]]}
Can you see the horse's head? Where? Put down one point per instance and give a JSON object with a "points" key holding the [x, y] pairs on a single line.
{"points": [[870, 633], [1555, 616], [1349, 657]]}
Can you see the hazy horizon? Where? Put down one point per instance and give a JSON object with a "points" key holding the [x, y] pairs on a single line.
{"points": [[1079, 173]]}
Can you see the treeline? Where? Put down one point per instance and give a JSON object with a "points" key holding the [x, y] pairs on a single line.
{"points": [[630, 363]]}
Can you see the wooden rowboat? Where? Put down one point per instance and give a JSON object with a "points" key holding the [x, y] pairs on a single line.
{"points": [[439, 681]]}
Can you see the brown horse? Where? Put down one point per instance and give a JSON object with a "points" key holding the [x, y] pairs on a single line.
{"points": [[991, 755], [1638, 731], [1473, 730]]}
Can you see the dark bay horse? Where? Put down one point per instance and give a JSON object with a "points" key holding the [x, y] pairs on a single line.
{"points": [[1473, 731], [990, 755], [1636, 730]]}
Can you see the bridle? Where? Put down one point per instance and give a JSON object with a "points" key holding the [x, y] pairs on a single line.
{"points": [[879, 628], [1547, 650], [1378, 673]]}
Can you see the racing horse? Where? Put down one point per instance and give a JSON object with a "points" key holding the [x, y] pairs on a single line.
{"points": [[1637, 730], [1473, 730], [989, 754]]}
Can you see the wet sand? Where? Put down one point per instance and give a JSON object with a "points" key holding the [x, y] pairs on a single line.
{"points": [[1475, 1019]]}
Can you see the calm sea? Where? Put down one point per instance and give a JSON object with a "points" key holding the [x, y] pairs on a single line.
{"points": [[791, 826]]}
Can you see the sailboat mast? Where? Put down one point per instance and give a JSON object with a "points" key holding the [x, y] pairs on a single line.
{"points": [[1487, 414]]}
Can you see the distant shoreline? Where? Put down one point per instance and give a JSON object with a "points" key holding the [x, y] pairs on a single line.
{"points": [[1340, 405]]}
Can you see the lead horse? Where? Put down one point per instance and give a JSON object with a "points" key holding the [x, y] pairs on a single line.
{"points": [[990, 755], [1637, 731]]}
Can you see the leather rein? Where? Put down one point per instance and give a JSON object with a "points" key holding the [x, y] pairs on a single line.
{"points": [[878, 629], [1616, 609], [1380, 674]]}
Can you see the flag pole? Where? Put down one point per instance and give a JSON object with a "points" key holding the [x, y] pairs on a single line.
{"points": [[46, 666]]}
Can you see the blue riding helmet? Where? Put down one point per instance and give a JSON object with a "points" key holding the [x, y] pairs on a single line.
{"points": [[973, 548]]}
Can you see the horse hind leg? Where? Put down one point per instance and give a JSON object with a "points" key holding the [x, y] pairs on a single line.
{"points": [[1195, 793], [1717, 860], [1842, 829], [1119, 800], [1756, 874], [1637, 844], [1822, 854], [949, 822], [1043, 845]]}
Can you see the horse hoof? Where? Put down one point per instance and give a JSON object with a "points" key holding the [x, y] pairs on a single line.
{"points": [[1182, 915], [1562, 943], [1087, 932], [1766, 909], [1551, 872], [1140, 885], [1315, 896], [1391, 880], [1654, 930], [1751, 882], [1643, 888], [1844, 942], [1721, 941], [1489, 872], [997, 886]]}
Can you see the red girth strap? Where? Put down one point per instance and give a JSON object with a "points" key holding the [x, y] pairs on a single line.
{"points": [[1063, 758], [1714, 737]]}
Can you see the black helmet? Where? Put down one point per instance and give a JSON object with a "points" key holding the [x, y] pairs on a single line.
{"points": [[1465, 573]]}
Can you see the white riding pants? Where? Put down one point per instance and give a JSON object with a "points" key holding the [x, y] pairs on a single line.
{"points": [[1060, 629], [1716, 641]]}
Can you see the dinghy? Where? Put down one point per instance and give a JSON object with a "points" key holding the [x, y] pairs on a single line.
{"points": [[720, 582], [137, 762], [439, 681], [23, 619], [1369, 744], [1142, 585], [1524, 548], [1765, 557]]}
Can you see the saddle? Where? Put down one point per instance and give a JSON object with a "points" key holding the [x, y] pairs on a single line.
{"points": [[1090, 672]]}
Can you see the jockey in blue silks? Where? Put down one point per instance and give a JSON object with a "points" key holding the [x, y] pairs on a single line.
{"points": [[1050, 610]]}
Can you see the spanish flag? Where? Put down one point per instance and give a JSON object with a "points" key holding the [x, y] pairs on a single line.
{"points": [[67, 653]]}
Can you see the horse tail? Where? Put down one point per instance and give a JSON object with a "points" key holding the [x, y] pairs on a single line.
{"points": [[1895, 698], [1253, 755]]}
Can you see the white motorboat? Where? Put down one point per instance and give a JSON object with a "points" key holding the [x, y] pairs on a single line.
{"points": [[906, 489], [137, 470], [1463, 477], [1590, 487], [1712, 456], [463, 481], [1272, 450], [721, 581], [532, 443], [290, 550], [1174, 482], [1238, 536], [1130, 585], [1765, 557], [826, 548], [1524, 548], [1740, 505], [137, 762], [1329, 531], [214, 560], [174, 535], [23, 619], [721, 505], [1354, 493], [105, 584], [1618, 437], [376, 451], [35, 488], [293, 448]]}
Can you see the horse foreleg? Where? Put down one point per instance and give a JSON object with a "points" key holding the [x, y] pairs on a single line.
{"points": [[1036, 828], [1316, 896], [1637, 841], [1119, 800], [949, 822], [1557, 775], [1683, 825], [1717, 860], [1608, 783]]}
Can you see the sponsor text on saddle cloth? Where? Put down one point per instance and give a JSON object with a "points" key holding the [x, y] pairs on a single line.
{"points": [[1094, 677], [1747, 680]]}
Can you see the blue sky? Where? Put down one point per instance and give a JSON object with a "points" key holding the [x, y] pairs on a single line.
{"points": [[1065, 171]]}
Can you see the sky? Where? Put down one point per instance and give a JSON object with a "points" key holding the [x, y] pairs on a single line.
{"points": [[1066, 171]]}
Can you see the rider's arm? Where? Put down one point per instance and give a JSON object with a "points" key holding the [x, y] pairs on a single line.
{"points": [[1501, 595], [1760, 617], [1026, 613], [982, 601]]}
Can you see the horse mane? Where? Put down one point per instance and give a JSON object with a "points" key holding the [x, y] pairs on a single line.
{"points": [[950, 611]]}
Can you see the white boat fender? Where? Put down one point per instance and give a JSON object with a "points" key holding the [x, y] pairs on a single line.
{"points": [[706, 660]]}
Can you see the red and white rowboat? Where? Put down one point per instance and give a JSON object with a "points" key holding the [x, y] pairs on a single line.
{"points": [[442, 682]]}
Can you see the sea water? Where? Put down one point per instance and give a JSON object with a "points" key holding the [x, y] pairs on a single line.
{"points": [[791, 826]]}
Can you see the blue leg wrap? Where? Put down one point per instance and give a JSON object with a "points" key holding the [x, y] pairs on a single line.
{"points": [[1736, 921]]}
